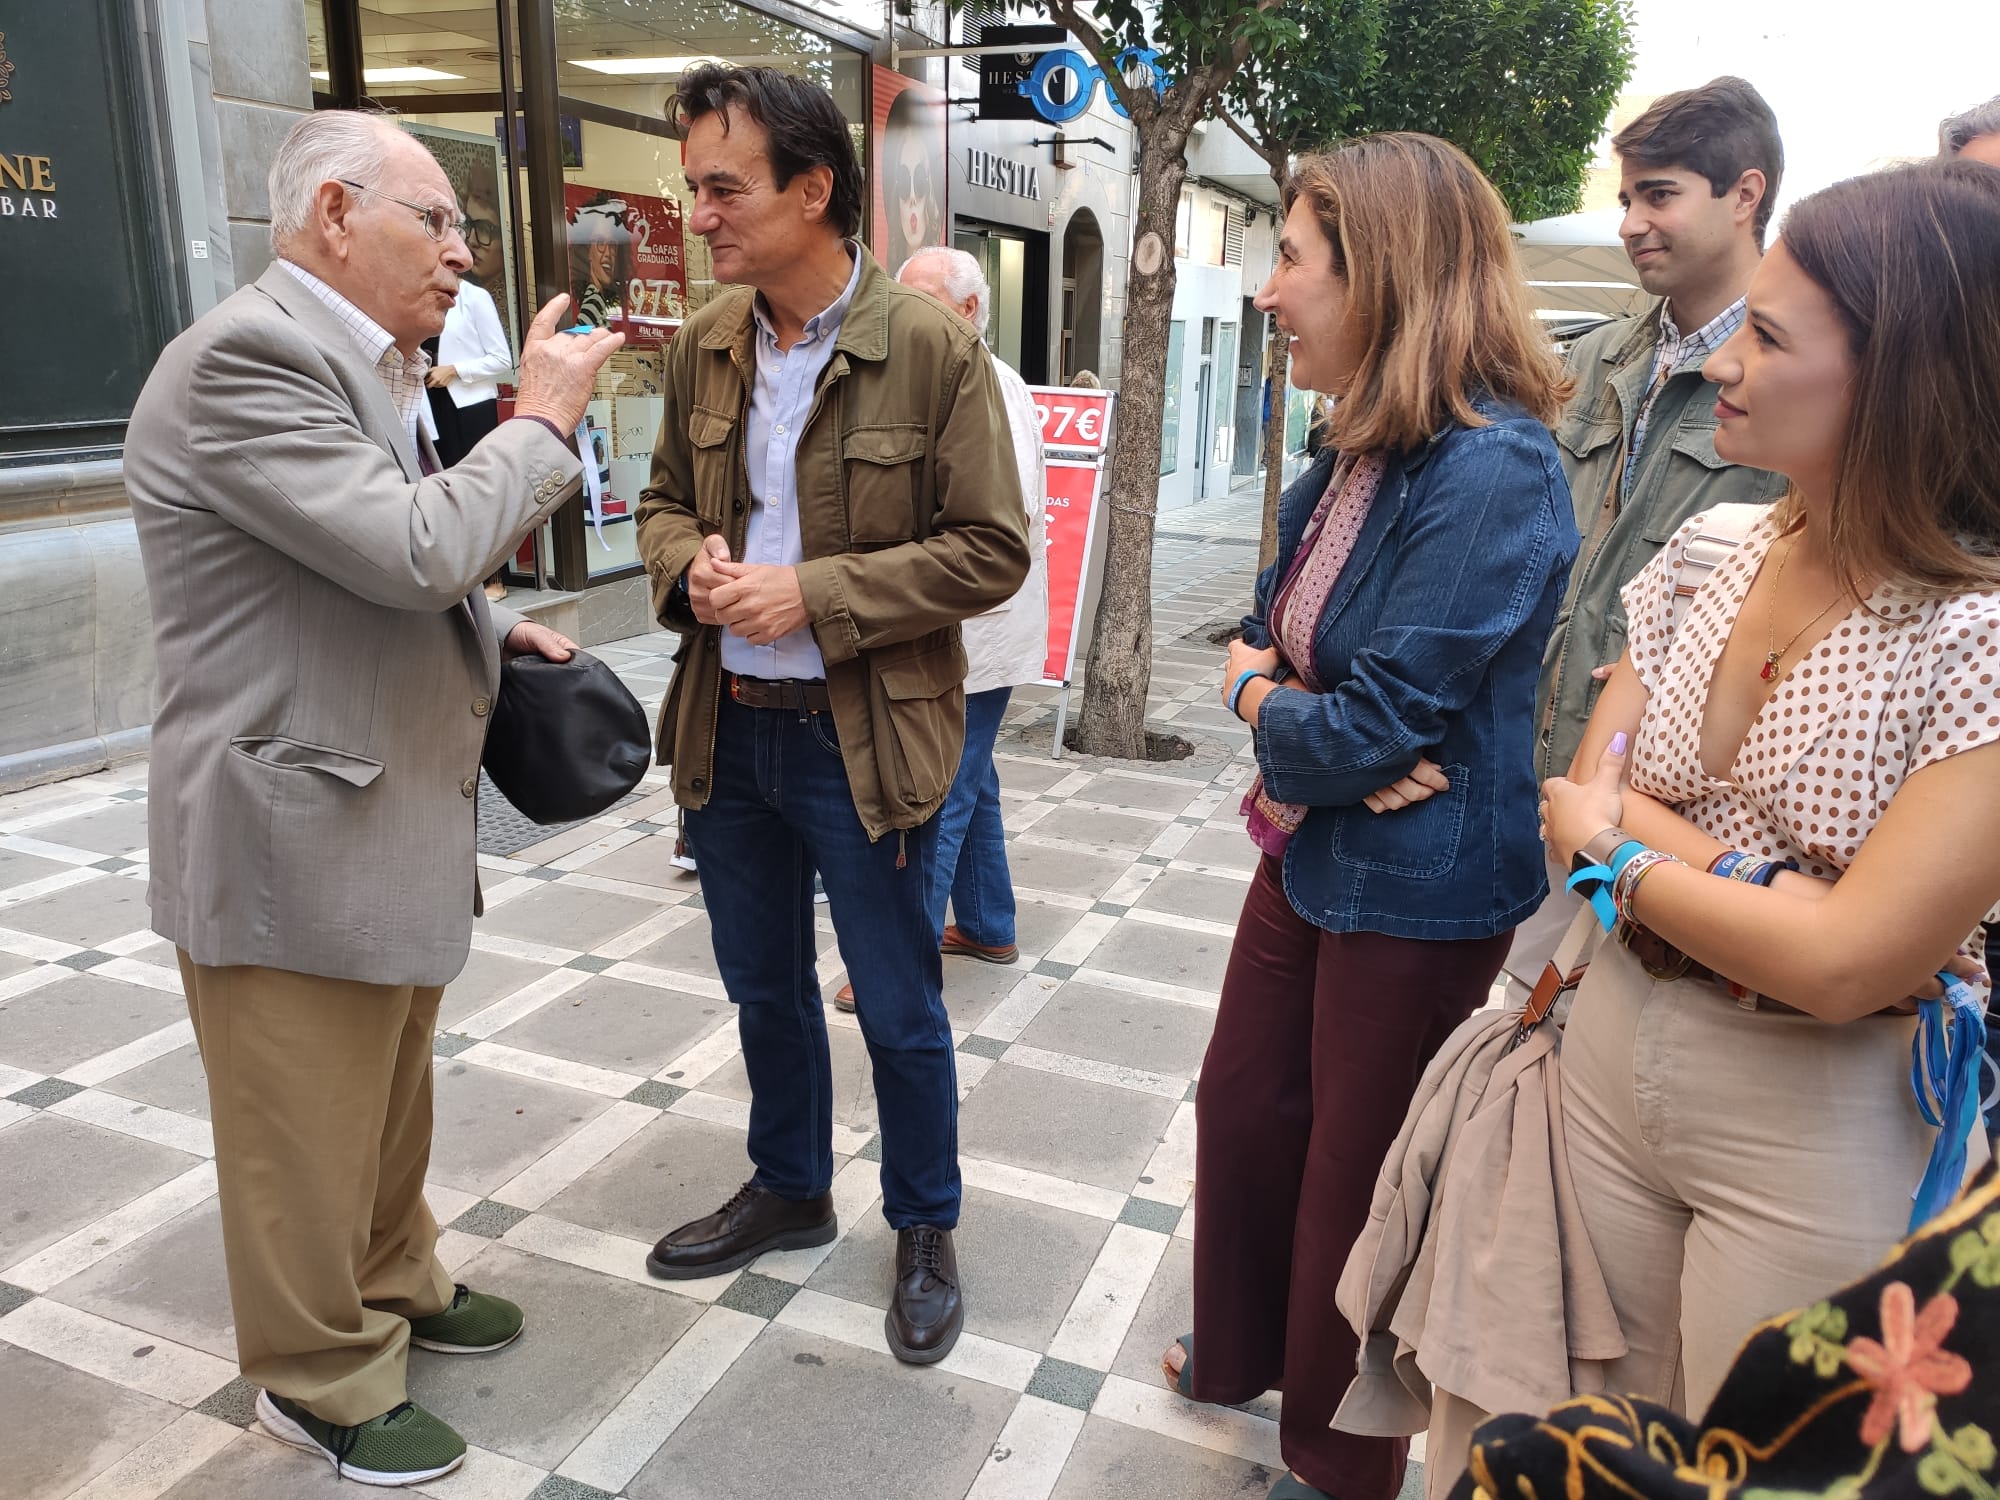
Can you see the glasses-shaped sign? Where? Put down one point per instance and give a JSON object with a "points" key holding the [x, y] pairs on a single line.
{"points": [[1064, 81]]}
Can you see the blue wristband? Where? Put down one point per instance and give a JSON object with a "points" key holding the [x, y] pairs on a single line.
{"points": [[1623, 854], [1724, 863], [1236, 688], [1594, 882]]}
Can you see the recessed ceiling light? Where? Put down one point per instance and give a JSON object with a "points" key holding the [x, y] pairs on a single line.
{"points": [[395, 75], [621, 66]]}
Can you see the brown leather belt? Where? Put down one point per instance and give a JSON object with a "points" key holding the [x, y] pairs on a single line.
{"points": [[1663, 961], [792, 693]]}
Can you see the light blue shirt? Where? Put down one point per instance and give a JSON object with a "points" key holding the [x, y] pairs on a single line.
{"points": [[780, 401]]}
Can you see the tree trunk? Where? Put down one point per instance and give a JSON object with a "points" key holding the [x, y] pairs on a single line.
{"points": [[1278, 359], [1120, 666]]}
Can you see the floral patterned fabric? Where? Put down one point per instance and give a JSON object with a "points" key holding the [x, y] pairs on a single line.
{"points": [[1874, 1392]]}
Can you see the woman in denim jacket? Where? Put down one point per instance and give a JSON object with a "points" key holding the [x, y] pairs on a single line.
{"points": [[1389, 672]]}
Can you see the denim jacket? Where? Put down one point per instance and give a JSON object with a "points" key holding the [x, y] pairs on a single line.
{"points": [[1429, 645]]}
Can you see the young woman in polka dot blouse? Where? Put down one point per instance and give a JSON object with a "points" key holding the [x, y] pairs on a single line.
{"points": [[1743, 1137]]}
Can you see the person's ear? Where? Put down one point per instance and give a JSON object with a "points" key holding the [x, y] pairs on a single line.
{"points": [[1749, 194], [816, 190], [334, 206]]}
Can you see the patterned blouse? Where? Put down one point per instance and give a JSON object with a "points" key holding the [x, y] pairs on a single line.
{"points": [[1883, 695]]}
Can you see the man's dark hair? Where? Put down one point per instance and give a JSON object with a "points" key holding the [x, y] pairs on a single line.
{"points": [[1720, 130], [804, 125]]}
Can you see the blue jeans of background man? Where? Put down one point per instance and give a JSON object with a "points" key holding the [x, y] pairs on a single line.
{"points": [[972, 844], [780, 808]]}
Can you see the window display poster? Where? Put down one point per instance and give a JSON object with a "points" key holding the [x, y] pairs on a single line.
{"points": [[627, 269], [472, 165], [907, 184]]}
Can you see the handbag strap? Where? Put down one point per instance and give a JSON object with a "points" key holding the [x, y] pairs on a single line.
{"points": [[1561, 975], [1723, 529]]}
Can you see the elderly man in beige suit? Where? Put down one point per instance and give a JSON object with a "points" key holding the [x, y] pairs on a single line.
{"points": [[327, 662]]}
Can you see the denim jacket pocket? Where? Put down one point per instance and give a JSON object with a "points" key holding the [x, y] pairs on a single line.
{"points": [[1419, 842]]}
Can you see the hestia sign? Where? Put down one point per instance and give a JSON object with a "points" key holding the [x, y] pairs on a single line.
{"points": [[989, 169]]}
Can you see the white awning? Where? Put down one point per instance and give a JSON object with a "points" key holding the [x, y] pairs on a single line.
{"points": [[1577, 264]]}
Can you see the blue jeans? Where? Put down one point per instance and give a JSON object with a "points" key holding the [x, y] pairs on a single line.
{"points": [[972, 844], [779, 809]]}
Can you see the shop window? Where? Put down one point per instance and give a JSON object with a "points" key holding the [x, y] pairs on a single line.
{"points": [[84, 247], [1170, 405], [630, 261]]}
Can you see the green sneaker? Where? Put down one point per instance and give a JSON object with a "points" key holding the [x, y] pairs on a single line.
{"points": [[405, 1445], [475, 1323]]}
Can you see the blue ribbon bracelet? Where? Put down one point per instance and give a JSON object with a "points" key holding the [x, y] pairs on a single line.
{"points": [[1944, 1074]]}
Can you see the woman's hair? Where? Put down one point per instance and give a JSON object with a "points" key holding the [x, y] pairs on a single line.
{"points": [[1910, 259], [1421, 239]]}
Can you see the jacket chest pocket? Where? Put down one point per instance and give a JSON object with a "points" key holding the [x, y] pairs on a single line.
{"points": [[1583, 434], [882, 471], [709, 433]]}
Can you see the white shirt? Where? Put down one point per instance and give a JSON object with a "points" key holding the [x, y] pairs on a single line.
{"points": [[403, 377], [781, 399], [1009, 644], [474, 344]]}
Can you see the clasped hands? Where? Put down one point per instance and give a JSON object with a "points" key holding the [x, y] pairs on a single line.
{"points": [[760, 602], [1424, 781]]}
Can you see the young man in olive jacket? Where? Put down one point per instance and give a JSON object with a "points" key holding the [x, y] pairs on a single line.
{"points": [[1699, 175], [820, 518]]}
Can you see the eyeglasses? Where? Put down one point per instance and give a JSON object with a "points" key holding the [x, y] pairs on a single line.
{"points": [[480, 232], [912, 182], [438, 222]]}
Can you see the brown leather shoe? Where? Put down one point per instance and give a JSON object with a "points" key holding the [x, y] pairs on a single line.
{"points": [[926, 1311], [843, 1000], [751, 1222], [958, 943]]}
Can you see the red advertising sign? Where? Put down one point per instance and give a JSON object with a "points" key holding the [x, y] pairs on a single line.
{"points": [[1073, 421], [1070, 502], [626, 266]]}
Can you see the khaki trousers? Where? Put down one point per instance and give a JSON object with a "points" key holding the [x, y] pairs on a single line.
{"points": [[1731, 1164], [320, 1091]]}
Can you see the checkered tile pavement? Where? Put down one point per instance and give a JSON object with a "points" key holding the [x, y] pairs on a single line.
{"points": [[590, 1096]]}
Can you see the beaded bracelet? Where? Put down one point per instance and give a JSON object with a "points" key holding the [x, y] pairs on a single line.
{"points": [[1626, 886]]}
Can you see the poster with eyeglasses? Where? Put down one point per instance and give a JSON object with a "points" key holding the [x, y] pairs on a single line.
{"points": [[472, 165], [627, 261], [907, 186]]}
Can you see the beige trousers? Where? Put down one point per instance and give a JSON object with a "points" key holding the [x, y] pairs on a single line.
{"points": [[320, 1091], [1731, 1164]]}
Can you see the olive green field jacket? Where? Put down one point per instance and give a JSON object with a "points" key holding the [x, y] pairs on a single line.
{"points": [[910, 515], [1679, 474]]}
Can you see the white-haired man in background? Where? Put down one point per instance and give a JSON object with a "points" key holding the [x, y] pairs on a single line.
{"points": [[1974, 135], [1005, 647], [327, 666]]}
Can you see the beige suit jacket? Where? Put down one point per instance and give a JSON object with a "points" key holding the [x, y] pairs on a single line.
{"points": [[327, 659]]}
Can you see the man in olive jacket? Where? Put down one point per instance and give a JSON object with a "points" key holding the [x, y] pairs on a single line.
{"points": [[833, 491], [1699, 175]]}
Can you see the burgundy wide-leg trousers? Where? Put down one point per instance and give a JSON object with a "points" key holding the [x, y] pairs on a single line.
{"points": [[1319, 1042]]}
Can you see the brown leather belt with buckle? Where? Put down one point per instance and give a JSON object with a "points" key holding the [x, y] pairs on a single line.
{"points": [[788, 692], [1662, 960]]}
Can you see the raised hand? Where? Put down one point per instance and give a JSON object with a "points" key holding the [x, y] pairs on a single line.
{"points": [[559, 370]]}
